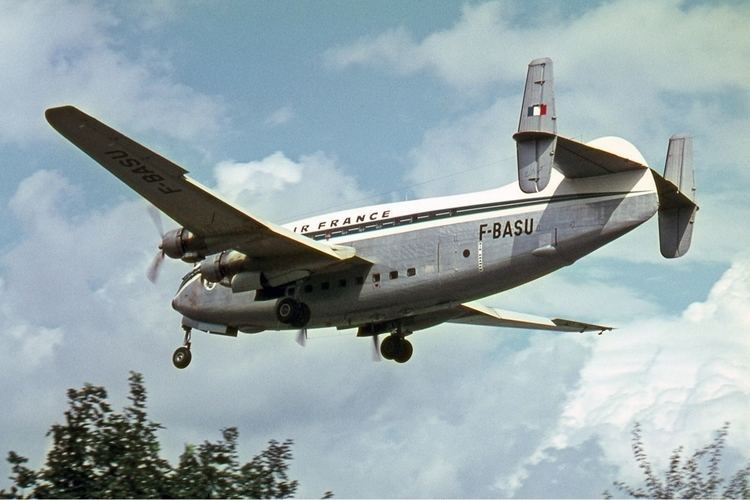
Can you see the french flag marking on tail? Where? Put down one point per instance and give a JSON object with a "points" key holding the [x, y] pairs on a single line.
{"points": [[537, 110]]}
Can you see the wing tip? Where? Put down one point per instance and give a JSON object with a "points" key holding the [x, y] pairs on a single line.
{"points": [[55, 114]]}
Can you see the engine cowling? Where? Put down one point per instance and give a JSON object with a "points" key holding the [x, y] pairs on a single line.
{"points": [[223, 265], [182, 244]]}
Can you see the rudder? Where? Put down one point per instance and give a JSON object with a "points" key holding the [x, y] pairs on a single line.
{"points": [[677, 206], [537, 128]]}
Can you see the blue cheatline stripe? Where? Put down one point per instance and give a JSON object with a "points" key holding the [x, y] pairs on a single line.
{"points": [[444, 213]]}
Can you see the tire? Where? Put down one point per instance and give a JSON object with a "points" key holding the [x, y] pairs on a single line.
{"points": [[181, 357], [302, 318], [405, 351], [287, 310], [388, 348]]}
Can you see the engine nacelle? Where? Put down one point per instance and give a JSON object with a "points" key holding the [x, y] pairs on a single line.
{"points": [[223, 265], [182, 244]]}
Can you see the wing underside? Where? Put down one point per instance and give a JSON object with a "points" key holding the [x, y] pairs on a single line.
{"points": [[473, 313], [191, 205]]}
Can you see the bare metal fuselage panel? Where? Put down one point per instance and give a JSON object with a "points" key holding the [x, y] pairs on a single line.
{"points": [[432, 255]]}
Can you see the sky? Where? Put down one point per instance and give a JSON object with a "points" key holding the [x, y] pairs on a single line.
{"points": [[296, 108]]}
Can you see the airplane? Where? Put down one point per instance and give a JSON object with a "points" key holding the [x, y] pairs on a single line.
{"points": [[399, 267]]}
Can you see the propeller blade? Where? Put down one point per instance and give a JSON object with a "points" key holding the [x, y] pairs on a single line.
{"points": [[153, 269], [375, 349], [155, 215], [302, 337]]}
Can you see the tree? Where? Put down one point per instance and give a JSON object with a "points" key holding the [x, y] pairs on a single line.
{"points": [[265, 476], [693, 477], [98, 453]]}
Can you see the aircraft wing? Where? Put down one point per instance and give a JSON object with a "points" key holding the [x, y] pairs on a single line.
{"points": [[474, 313], [191, 205]]}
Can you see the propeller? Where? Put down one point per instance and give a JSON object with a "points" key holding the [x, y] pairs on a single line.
{"points": [[302, 337], [375, 349], [153, 269]]}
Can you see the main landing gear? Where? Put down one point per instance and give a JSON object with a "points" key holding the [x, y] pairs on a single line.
{"points": [[292, 312], [181, 357], [396, 347]]}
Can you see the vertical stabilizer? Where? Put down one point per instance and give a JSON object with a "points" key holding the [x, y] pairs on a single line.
{"points": [[677, 207], [537, 128], [678, 169]]}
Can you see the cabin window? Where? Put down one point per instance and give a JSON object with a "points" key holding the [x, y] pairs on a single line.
{"points": [[308, 288], [467, 253], [325, 285], [376, 278], [359, 280], [394, 275], [411, 271], [342, 283]]}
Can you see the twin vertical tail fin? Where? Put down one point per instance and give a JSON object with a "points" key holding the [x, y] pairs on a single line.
{"points": [[677, 206], [537, 128], [539, 148]]}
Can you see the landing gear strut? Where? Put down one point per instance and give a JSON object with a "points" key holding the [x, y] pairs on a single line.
{"points": [[396, 347], [181, 357]]}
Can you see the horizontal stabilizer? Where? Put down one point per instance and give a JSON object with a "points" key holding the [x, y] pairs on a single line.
{"points": [[677, 206], [575, 159], [474, 313], [535, 140]]}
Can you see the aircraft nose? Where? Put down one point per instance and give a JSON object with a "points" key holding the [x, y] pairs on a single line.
{"points": [[185, 300], [178, 302]]}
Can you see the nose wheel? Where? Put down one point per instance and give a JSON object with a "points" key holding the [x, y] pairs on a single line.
{"points": [[182, 356]]}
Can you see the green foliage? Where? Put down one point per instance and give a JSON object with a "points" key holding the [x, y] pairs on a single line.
{"points": [[98, 453], [696, 476]]}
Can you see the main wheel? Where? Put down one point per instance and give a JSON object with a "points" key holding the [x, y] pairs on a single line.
{"points": [[405, 350], [286, 310], [181, 357], [389, 347], [302, 317]]}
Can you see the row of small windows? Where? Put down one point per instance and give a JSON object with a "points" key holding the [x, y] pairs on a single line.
{"points": [[394, 274], [359, 280]]}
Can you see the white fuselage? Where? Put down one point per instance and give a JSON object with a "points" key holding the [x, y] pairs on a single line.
{"points": [[432, 254]]}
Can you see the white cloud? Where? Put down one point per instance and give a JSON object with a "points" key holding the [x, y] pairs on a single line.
{"points": [[681, 377], [24, 346], [281, 189], [281, 116], [54, 53], [472, 153], [478, 49]]}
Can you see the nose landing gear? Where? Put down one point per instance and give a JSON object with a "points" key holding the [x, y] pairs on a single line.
{"points": [[182, 357]]}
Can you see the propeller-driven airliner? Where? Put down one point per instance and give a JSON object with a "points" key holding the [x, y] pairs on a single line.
{"points": [[396, 268]]}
